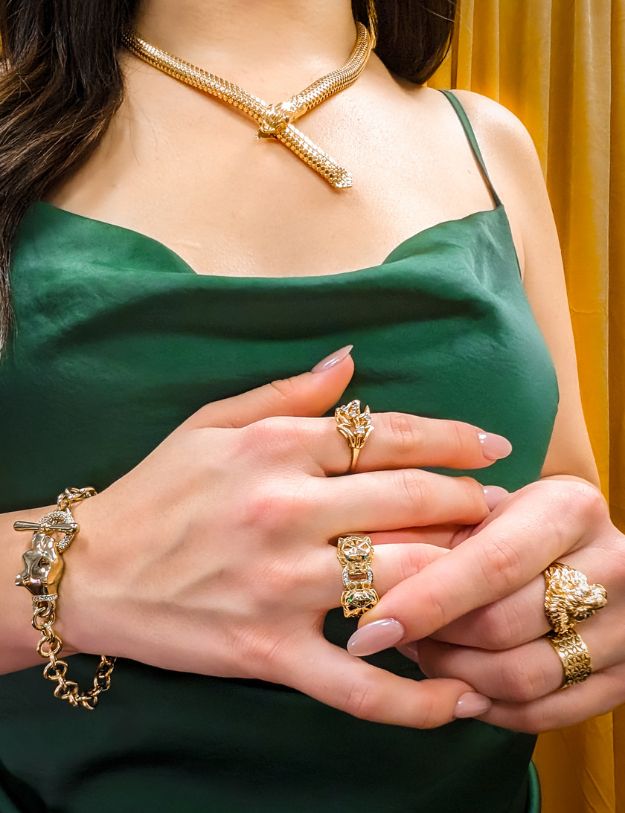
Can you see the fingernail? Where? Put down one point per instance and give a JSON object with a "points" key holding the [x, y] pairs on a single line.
{"points": [[410, 650], [332, 359], [494, 495], [472, 704], [375, 637], [494, 447]]}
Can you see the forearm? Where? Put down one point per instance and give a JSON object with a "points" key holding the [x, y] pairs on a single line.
{"points": [[19, 638]]}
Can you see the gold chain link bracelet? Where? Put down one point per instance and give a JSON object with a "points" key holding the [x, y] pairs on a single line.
{"points": [[43, 568]]}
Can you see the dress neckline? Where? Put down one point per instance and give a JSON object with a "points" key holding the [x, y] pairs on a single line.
{"points": [[404, 248]]}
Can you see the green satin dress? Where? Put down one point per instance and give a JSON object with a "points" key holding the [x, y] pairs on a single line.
{"points": [[117, 342]]}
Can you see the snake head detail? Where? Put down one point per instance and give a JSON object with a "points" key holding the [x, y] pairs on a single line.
{"points": [[277, 118]]}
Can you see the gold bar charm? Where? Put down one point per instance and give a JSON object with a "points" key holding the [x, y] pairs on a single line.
{"points": [[25, 525]]}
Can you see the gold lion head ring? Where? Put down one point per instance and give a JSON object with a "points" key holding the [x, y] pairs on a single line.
{"points": [[569, 599], [355, 426]]}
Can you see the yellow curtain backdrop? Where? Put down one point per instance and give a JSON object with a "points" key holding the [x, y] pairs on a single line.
{"points": [[560, 66]]}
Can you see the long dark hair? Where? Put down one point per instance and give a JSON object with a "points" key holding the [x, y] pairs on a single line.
{"points": [[61, 83]]}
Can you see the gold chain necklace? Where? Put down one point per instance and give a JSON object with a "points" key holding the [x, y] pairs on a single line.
{"points": [[274, 120]]}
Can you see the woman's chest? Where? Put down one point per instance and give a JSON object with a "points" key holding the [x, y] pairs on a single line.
{"points": [[106, 362]]}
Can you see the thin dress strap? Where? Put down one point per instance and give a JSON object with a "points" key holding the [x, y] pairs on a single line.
{"points": [[468, 129]]}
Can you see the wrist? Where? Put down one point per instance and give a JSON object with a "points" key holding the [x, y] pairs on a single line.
{"points": [[79, 619], [42, 575]]}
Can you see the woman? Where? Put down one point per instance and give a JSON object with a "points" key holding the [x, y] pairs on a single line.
{"points": [[165, 267]]}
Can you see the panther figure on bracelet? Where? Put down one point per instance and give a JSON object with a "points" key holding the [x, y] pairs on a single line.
{"points": [[43, 562]]}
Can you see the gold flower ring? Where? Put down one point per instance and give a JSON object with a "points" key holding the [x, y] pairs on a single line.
{"points": [[355, 426]]}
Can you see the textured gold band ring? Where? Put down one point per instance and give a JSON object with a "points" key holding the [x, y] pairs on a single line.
{"points": [[574, 656], [355, 553], [355, 426], [569, 597]]}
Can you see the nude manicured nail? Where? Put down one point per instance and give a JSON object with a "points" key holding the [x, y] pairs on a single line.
{"points": [[375, 637], [410, 650], [494, 495], [332, 359], [494, 447], [472, 704]]}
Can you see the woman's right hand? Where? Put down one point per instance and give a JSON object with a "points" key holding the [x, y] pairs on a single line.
{"points": [[213, 555]]}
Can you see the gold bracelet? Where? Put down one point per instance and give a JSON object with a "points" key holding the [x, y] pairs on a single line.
{"points": [[43, 568]]}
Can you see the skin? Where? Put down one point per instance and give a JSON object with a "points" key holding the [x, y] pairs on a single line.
{"points": [[152, 579], [398, 140], [167, 135], [476, 610]]}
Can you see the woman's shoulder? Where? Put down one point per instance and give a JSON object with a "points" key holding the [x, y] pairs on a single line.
{"points": [[501, 134]]}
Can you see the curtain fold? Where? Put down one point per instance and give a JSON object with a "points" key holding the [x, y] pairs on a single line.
{"points": [[560, 66]]}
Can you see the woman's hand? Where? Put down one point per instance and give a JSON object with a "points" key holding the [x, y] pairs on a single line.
{"points": [[211, 555], [477, 611]]}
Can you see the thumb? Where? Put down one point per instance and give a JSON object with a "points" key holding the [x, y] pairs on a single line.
{"points": [[308, 394]]}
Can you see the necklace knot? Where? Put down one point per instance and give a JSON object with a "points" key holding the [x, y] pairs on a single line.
{"points": [[276, 118]]}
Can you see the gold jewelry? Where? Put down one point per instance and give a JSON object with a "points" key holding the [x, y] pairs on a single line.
{"points": [[574, 655], [43, 569], [274, 120], [569, 598], [372, 20], [355, 426], [355, 553]]}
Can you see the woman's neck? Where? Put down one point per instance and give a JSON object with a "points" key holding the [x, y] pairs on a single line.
{"points": [[294, 39]]}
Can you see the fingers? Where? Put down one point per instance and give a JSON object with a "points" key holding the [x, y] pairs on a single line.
{"points": [[513, 620], [332, 676], [520, 674], [391, 563], [443, 536], [309, 393], [509, 551], [520, 617], [601, 693], [386, 500], [399, 440], [536, 703]]}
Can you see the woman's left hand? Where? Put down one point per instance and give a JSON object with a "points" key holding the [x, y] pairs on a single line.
{"points": [[477, 611]]}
